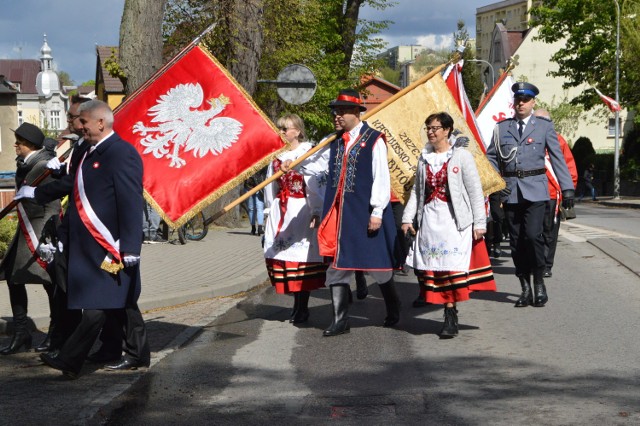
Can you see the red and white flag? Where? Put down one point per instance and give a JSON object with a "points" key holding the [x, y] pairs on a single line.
{"points": [[198, 132], [453, 77], [611, 103], [497, 106]]}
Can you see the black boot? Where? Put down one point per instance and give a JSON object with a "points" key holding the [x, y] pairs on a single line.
{"points": [[540, 291], [253, 230], [340, 303], [526, 298], [21, 340], [392, 303], [302, 314], [260, 230], [45, 346], [450, 327], [361, 286], [296, 305]]}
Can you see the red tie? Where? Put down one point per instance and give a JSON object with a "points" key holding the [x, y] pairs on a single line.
{"points": [[346, 138]]}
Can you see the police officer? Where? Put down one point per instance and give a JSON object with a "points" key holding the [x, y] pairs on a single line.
{"points": [[517, 152]]}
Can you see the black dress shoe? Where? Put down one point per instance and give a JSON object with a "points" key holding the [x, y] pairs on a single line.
{"points": [[45, 346], [547, 273], [103, 358], [21, 342], [58, 364], [126, 364]]}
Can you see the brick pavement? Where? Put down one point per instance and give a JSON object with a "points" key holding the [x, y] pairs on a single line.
{"points": [[226, 262]]}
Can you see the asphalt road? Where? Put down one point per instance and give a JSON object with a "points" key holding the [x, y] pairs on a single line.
{"points": [[574, 361]]}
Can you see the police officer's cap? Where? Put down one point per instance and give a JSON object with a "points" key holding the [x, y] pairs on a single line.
{"points": [[524, 89]]}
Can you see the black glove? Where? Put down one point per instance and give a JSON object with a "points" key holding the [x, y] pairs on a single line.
{"points": [[567, 198], [505, 192]]}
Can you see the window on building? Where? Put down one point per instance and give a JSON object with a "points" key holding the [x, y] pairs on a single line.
{"points": [[612, 127], [20, 118], [54, 120]]}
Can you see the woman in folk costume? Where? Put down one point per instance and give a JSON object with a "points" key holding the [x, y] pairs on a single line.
{"points": [[448, 203], [295, 204], [22, 264]]}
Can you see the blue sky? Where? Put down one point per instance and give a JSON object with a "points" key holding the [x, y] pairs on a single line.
{"points": [[75, 27]]}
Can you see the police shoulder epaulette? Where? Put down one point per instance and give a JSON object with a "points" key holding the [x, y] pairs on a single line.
{"points": [[545, 119], [505, 119]]}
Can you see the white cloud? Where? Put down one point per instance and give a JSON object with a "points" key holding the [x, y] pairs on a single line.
{"points": [[436, 42]]}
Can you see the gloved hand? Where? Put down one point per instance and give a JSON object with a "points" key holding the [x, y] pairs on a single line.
{"points": [[46, 251], [568, 196], [505, 192], [60, 247], [25, 191], [130, 260], [54, 164]]}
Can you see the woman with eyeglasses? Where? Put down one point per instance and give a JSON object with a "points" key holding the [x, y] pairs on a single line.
{"points": [[294, 203], [448, 205]]}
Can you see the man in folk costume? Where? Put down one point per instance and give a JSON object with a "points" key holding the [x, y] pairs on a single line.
{"points": [[358, 231], [103, 241], [517, 151], [22, 264]]}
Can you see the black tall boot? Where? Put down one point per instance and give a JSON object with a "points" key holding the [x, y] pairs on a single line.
{"points": [[392, 303], [540, 291], [450, 327], [21, 337], [302, 314], [340, 303], [296, 306], [526, 298], [361, 286]]}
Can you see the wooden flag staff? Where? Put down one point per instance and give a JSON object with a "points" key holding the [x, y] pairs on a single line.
{"points": [[327, 141]]}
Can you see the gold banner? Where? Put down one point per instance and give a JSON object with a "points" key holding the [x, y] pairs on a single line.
{"points": [[402, 122]]}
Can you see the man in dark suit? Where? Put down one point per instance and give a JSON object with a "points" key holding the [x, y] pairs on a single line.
{"points": [[103, 243], [517, 151]]}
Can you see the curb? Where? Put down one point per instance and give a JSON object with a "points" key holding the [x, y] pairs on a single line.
{"points": [[245, 282]]}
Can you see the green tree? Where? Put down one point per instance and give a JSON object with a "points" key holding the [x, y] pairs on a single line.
{"points": [[588, 30], [65, 78], [473, 84], [565, 115], [319, 34]]}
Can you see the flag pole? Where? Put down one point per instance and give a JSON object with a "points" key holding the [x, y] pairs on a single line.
{"points": [[328, 140], [35, 182]]}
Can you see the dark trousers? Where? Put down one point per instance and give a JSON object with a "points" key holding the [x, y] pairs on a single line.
{"points": [[525, 221], [128, 321], [550, 232], [63, 320]]}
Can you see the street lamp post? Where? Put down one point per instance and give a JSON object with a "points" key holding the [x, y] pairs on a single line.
{"points": [[616, 154], [493, 73]]}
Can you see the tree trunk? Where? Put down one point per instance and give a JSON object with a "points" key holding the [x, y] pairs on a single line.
{"points": [[140, 52], [245, 31]]}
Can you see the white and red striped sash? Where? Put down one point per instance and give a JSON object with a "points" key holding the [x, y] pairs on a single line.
{"points": [[113, 261], [29, 235]]}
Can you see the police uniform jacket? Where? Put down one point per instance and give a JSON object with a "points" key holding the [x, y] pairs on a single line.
{"points": [[112, 176], [520, 159]]}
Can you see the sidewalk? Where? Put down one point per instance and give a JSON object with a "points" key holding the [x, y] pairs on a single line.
{"points": [[623, 202], [226, 262]]}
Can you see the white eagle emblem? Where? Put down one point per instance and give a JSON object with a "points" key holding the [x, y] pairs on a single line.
{"points": [[180, 123]]}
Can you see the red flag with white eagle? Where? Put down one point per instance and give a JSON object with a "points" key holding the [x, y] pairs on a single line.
{"points": [[198, 132], [611, 103]]}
